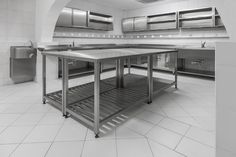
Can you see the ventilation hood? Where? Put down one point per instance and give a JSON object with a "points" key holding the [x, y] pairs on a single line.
{"points": [[147, 1]]}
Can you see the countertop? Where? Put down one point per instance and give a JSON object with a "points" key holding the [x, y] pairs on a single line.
{"points": [[118, 46], [105, 54]]}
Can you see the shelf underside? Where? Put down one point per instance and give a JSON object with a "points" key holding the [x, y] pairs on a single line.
{"points": [[112, 100]]}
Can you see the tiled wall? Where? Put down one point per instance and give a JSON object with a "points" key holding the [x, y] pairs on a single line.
{"points": [[16, 28]]}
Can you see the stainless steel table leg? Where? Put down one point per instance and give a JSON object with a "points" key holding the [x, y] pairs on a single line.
{"points": [[44, 77], [176, 70], [96, 98], [120, 73], [64, 86], [150, 78], [121, 67], [117, 74], [129, 65]]}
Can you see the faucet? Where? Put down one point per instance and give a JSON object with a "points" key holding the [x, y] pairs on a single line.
{"points": [[31, 43], [203, 44]]}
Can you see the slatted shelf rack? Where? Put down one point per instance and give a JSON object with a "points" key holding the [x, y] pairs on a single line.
{"points": [[113, 100]]}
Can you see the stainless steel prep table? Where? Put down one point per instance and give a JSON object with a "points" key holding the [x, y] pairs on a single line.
{"points": [[94, 104]]}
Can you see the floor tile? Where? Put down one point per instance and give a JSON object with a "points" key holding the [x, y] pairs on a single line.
{"points": [[71, 133], [65, 149], [133, 147], [28, 119], [138, 125], [8, 119], [183, 106], [202, 136], [17, 108], [165, 137], [123, 132], [162, 151], [173, 112], [6, 150], [174, 125], [52, 119], [14, 134], [188, 120], [155, 108], [99, 148], [39, 108], [191, 148], [32, 149], [43, 133], [2, 128], [107, 136], [150, 117]]}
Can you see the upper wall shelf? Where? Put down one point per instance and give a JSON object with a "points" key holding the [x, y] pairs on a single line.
{"points": [[75, 18], [162, 21], [194, 18]]}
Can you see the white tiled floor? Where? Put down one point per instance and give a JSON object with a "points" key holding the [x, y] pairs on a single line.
{"points": [[179, 123]]}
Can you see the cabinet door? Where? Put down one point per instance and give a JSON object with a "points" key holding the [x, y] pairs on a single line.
{"points": [[79, 18], [65, 18], [128, 24], [140, 23]]}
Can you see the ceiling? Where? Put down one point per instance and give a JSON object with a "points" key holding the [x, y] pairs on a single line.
{"points": [[129, 4]]}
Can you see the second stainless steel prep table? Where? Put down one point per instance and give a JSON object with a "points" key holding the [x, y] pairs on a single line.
{"points": [[96, 103]]}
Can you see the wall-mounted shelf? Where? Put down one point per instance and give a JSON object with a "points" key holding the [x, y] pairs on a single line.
{"points": [[100, 21], [218, 20], [162, 21], [75, 18], [185, 19], [196, 18]]}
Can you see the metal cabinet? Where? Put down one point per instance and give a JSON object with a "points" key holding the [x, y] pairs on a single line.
{"points": [[128, 25], [140, 23], [84, 19], [22, 63], [79, 18], [65, 18], [134, 24]]}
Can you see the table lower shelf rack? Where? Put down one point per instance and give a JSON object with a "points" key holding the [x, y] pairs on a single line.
{"points": [[113, 101]]}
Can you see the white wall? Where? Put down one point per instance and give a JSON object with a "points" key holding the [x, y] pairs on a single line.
{"points": [[47, 12], [17, 23], [227, 10], [225, 83]]}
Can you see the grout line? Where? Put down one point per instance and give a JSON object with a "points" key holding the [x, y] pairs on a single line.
{"points": [[54, 139], [116, 143], [167, 147], [26, 135], [182, 138], [81, 154], [150, 146]]}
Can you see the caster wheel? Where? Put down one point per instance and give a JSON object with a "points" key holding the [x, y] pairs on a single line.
{"points": [[44, 102], [149, 102], [96, 136]]}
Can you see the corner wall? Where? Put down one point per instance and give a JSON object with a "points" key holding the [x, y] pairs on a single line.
{"points": [[225, 83], [17, 27]]}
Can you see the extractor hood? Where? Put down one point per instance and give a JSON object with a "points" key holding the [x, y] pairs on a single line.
{"points": [[147, 1]]}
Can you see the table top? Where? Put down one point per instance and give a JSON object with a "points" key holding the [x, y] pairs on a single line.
{"points": [[106, 54]]}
